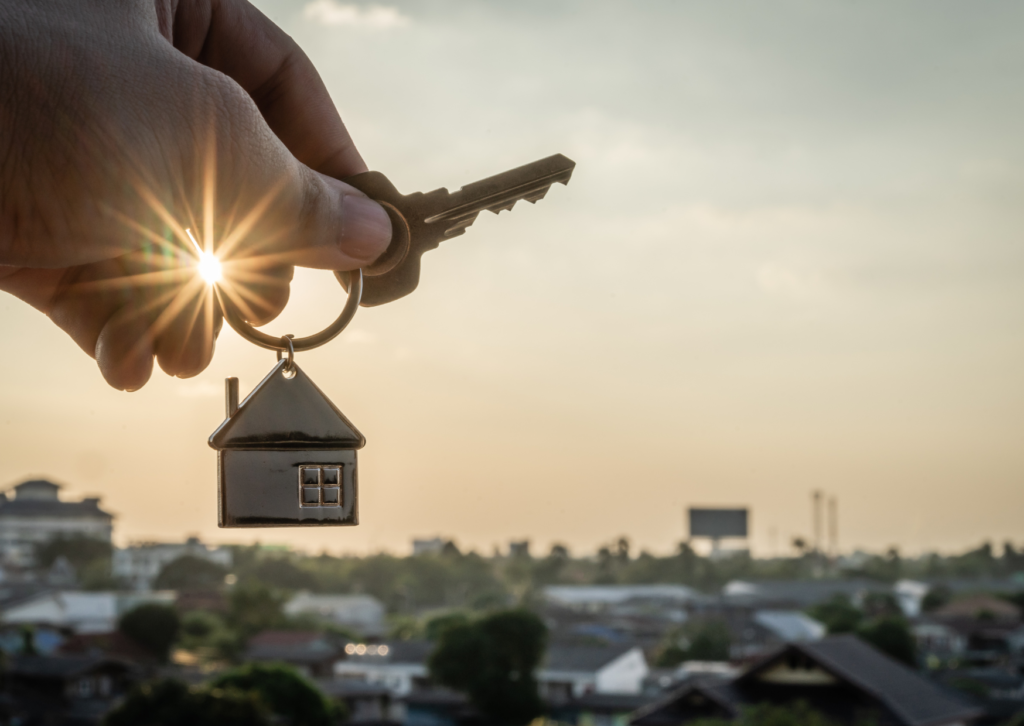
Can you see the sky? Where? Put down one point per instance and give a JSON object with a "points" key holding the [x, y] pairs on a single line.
{"points": [[789, 259]]}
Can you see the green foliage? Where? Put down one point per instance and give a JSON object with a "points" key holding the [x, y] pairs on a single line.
{"points": [[281, 573], [206, 633], [254, 607], [78, 549], [191, 573], [153, 626], [839, 615], [172, 703], [696, 640], [892, 636], [493, 661], [437, 625], [288, 695], [936, 598], [796, 714]]}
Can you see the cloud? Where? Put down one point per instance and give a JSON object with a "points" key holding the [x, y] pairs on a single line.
{"points": [[332, 12]]}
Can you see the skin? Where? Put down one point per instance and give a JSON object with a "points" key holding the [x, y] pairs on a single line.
{"points": [[123, 122]]}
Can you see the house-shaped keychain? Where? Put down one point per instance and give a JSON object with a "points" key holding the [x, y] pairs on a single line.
{"points": [[286, 456]]}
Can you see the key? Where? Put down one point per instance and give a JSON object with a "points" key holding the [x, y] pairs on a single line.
{"points": [[420, 222]]}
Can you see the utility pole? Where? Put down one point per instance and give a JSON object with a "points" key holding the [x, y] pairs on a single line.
{"points": [[833, 527], [816, 508]]}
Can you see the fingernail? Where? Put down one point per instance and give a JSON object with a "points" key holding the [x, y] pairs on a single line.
{"points": [[365, 228]]}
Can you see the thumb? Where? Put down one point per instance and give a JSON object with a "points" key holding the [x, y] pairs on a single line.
{"points": [[287, 213]]}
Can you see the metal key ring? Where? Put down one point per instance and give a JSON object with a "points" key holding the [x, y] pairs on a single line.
{"points": [[287, 339], [295, 345]]}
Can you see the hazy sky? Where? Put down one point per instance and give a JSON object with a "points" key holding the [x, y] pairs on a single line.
{"points": [[790, 258]]}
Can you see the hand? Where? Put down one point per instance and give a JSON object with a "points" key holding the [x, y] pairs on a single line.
{"points": [[122, 124]]}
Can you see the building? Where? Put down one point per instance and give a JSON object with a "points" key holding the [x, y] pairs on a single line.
{"points": [[34, 514], [140, 564], [399, 666], [841, 676], [361, 613], [311, 653], [572, 671], [65, 689], [80, 612], [621, 599]]}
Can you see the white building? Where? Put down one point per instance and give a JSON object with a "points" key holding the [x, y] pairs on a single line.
{"points": [[362, 613], [35, 515], [82, 612], [140, 564], [571, 671], [621, 599], [400, 666]]}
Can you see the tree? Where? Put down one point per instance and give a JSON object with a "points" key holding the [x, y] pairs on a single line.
{"points": [[78, 549], [153, 626], [892, 636], [253, 607], [190, 573], [838, 615], [493, 661], [696, 640], [281, 689], [170, 702], [437, 625], [282, 573]]}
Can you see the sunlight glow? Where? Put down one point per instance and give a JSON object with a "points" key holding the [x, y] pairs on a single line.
{"points": [[209, 266]]}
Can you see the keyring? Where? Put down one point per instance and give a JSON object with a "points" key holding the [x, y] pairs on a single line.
{"points": [[291, 352], [297, 345]]}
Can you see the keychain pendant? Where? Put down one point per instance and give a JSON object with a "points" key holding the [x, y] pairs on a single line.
{"points": [[286, 456]]}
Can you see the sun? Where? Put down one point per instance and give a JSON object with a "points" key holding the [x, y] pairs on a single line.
{"points": [[208, 265]]}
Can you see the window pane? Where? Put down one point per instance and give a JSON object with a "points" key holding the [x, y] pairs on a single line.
{"points": [[310, 495], [332, 495], [311, 475], [331, 476]]}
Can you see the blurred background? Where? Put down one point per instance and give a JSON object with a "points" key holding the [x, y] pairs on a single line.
{"points": [[789, 260]]}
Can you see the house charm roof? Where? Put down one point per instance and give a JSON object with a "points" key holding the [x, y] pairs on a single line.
{"points": [[287, 413]]}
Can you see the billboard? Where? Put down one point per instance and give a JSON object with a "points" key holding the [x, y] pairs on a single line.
{"points": [[718, 523]]}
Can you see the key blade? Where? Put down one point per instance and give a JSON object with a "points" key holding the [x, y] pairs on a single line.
{"points": [[501, 191]]}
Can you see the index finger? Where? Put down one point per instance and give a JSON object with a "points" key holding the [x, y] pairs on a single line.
{"points": [[235, 38]]}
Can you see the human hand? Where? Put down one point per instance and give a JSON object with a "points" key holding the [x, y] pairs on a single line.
{"points": [[122, 124]]}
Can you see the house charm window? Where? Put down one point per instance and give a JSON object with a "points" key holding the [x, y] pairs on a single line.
{"points": [[320, 486]]}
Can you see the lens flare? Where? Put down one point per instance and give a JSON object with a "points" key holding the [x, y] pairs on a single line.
{"points": [[208, 265]]}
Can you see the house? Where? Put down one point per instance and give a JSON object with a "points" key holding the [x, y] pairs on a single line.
{"points": [[81, 612], [365, 703], [140, 564], [286, 455], [841, 676], [399, 666], [65, 689], [34, 514], [795, 594], [570, 671], [362, 613], [757, 632], [311, 653], [620, 599]]}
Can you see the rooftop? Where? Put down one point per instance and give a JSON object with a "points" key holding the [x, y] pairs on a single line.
{"points": [[40, 498]]}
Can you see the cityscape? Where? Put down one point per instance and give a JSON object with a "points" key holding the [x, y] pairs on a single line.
{"points": [[619, 637]]}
